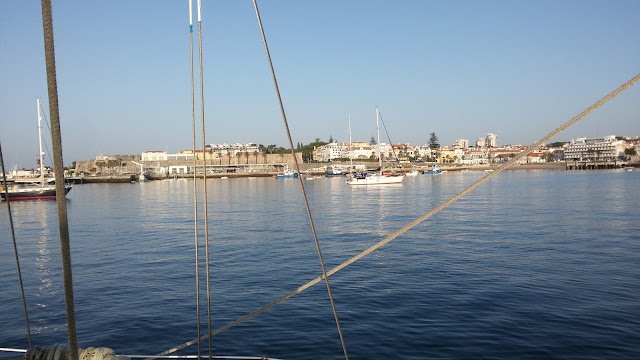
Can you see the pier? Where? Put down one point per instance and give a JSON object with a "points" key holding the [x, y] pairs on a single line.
{"points": [[595, 165]]}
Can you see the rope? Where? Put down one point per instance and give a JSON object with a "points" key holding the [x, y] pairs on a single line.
{"points": [[15, 245], [417, 221], [59, 354], [63, 225], [195, 182], [204, 179], [304, 193]]}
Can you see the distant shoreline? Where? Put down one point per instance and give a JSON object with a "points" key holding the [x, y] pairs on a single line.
{"points": [[548, 166], [307, 170]]}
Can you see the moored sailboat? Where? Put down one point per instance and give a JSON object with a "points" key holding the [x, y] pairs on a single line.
{"points": [[37, 189], [377, 177]]}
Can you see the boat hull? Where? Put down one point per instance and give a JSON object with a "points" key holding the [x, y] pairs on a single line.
{"points": [[376, 180], [39, 193], [286, 176]]}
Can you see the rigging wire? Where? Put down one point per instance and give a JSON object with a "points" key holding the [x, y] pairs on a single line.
{"points": [[304, 194], [195, 174], [419, 220], [389, 137], [46, 121], [15, 246], [63, 225], [204, 179]]}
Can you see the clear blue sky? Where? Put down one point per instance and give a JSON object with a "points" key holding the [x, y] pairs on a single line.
{"points": [[461, 69]]}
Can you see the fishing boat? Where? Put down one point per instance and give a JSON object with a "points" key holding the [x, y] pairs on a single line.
{"points": [[376, 177], [334, 171], [435, 170], [37, 189], [286, 174]]}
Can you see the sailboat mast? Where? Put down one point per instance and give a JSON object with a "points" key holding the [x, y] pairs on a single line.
{"points": [[378, 147], [350, 149], [40, 160]]}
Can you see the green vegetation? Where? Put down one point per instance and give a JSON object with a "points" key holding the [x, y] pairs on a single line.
{"points": [[630, 151], [306, 150], [434, 143]]}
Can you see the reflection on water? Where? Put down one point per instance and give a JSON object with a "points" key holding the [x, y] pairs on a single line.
{"points": [[43, 260]]}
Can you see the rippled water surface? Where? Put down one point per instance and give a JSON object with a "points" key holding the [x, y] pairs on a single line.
{"points": [[533, 264]]}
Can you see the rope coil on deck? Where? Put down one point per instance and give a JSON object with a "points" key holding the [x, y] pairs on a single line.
{"points": [[61, 352]]}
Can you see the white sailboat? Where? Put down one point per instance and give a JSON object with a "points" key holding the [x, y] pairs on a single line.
{"points": [[38, 189], [377, 178]]}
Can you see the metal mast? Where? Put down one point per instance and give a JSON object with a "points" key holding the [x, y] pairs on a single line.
{"points": [[40, 154]]}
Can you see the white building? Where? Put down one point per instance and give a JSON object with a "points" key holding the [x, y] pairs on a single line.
{"points": [[480, 142], [462, 143], [154, 156], [331, 151], [605, 148], [491, 140], [232, 149], [361, 152], [163, 156], [179, 156], [424, 152]]}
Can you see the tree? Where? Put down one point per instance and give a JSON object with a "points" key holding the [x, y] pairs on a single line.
{"points": [[630, 151], [433, 141], [557, 144], [550, 157], [372, 141], [330, 139]]}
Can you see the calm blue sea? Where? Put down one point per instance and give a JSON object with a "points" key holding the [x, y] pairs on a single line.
{"points": [[532, 265]]}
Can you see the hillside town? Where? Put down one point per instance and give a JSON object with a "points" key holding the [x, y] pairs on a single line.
{"points": [[485, 151], [255, 158]]}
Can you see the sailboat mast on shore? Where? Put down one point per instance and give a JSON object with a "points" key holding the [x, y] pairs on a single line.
{"points": [[40, 154], [350, 148]]}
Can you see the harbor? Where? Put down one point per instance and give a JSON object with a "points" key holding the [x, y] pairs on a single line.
{"points": [[453, 287]]}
